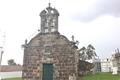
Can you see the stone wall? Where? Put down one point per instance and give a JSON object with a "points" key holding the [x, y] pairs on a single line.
{"points": [[51, 48], [84, 67]]}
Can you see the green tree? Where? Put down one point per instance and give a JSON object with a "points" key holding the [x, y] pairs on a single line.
{"points": [[11, 62], [90, 51], [87, 53], [82, 53]]}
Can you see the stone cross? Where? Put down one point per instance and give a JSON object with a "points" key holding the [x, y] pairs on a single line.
{"points": [[25, 45]]}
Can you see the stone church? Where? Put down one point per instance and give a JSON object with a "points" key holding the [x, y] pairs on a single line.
{"points": [[50, 55]]}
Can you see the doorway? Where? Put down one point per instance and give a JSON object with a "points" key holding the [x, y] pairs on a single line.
{"points": [[47, 72]]}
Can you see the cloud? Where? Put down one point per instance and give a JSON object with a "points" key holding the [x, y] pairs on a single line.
{"points": [[99, 8], [110, 7]]}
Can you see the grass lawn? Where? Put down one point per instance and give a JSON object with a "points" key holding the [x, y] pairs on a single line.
{"points": [[98, 76], [13, 79], [101, 76]]}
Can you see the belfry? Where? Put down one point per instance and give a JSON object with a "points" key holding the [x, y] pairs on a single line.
{"points": [[49, 20], [50, 55]]}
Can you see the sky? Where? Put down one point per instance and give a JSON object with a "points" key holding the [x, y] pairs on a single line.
{"points": [[95, 22]]}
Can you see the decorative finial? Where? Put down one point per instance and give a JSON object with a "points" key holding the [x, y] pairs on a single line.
{"points": [[26, 41], [49, 3], [73, 38], [25, 45], [118, 50], [77, 43]]}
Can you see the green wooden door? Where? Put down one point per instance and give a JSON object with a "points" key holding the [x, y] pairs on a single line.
{"points": [[47, 72]]}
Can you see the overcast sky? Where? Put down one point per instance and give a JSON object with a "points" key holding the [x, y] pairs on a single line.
{"points": [[95, 22]]}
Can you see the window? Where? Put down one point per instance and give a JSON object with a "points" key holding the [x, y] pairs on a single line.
{"points": [[48, 50], [46, 30], [53, 22], [53, 30], [46, 25]]}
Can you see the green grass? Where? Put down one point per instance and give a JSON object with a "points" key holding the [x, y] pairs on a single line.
{"points": [[13, 79], [98, 76], [101, 76]]}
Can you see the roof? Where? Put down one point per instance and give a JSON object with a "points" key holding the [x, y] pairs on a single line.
{"points": [[10, 68], [49, 11], [84, 65]]}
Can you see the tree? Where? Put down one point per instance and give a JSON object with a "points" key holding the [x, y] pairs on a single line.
{"points": [[11, 62], [87, 53], [82, 53], [90, 51]]}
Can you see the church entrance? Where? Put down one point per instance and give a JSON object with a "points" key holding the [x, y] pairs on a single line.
{"points": [[47, 72]]}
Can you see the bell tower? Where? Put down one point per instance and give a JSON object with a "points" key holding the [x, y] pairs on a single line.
{"points": [[49, 20]]}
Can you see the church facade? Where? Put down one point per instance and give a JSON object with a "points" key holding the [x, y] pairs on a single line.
{"points": [[50, 55]]}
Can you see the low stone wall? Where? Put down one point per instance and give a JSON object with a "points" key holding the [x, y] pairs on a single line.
{"points": [[84, 67], [4, 75]]}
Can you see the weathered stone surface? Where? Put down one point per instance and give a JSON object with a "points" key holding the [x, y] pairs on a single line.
{"points": [[52, 48], [62, 56]]}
